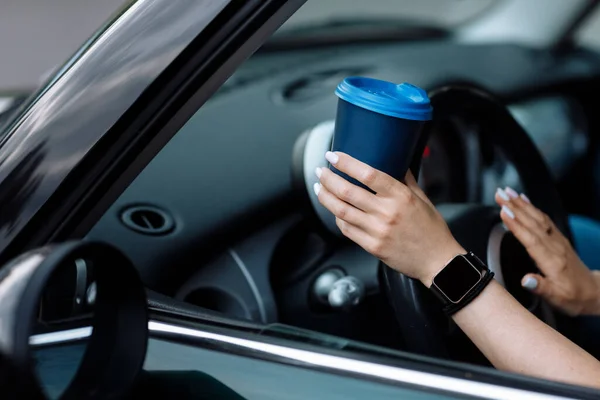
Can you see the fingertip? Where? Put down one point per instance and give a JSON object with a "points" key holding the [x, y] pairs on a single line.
{"points": [[332, 157], [318, 172], [502, 195], [511, 192], [525, 198], [507, 212], [498, 200], [317, 188], [507, 222], [530, 282]]}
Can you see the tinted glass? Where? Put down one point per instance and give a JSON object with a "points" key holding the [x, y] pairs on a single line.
{"points": [[178, 371], [56, 366], [442, 13], [238, 377]]}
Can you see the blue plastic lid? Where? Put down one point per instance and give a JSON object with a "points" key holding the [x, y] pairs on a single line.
{"points": [[402, 101]]}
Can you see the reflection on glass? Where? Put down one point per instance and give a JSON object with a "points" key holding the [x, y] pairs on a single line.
{"points": [[182, 385], [56, 366], [66, 306], [171, 368]]}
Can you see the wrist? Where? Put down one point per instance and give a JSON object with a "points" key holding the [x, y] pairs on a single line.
{"points": [[439, 260]]}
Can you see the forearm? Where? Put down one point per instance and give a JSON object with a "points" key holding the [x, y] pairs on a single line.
{"points": [[514, 340], [595, 309]]}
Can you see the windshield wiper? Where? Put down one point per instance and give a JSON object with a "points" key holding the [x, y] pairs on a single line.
{"points": [[345, 31]]}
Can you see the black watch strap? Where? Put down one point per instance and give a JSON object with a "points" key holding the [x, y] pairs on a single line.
{"points": [[460, 282]]}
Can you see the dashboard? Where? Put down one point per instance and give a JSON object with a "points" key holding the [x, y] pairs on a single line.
{"points": [[215, 213]]}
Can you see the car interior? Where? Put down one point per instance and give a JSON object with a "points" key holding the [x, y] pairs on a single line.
{"points": [[221, 222]]}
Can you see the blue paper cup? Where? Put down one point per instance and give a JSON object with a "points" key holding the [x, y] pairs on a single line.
{"points": [[379, 123]]}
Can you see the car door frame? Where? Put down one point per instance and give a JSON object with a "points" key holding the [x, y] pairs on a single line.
{"points": [[52, 195], [328, 355]]}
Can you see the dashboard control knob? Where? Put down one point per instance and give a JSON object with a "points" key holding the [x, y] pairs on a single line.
{"points": [[337, 290], [346, 292]]}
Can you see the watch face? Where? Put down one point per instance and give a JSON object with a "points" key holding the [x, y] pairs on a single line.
{"points": [[457, 278]]}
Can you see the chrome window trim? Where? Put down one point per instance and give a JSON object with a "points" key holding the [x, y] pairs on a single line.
{"points": [[311, 359], [60, 337]]}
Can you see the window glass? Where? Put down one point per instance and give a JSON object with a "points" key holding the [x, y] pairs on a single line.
{"points": [[233, 376], [589, 34], [441, 13], [56, 366], [184, 372], [221, 221], [242, 239]]}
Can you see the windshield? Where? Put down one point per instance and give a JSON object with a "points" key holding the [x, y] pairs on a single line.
{"points": [[445, 14]]}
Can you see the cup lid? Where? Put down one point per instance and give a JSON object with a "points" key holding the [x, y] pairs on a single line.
{"points": [[402, 101]]}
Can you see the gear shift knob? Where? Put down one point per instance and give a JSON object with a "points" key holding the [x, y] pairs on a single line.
{"points": [[338, 291], [346, 292]]}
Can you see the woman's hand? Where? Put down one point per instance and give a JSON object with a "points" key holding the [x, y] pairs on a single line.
{"points": [[398, 225], [566, 282]]}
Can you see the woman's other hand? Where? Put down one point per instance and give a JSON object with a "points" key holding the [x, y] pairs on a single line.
{"points": [[566, 282], [398, 224]]}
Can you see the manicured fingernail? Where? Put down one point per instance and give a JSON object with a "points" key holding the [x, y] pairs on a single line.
{"points": [[318, 172], [332, 157], [525, 198], [508, 212], [511, 192], [317, 188], [530, 283], [502, 194]]}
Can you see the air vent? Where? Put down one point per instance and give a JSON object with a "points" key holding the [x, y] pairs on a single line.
{"points": [[148, 220]]}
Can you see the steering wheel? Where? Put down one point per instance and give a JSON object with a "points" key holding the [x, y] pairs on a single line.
{"points": [[477, 227]]}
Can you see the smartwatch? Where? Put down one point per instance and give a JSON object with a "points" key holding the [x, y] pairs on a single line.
{"points": [[460, 281]]}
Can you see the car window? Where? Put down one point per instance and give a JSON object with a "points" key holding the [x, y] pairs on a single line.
{"points": [[56, 366], [217, 220], [173, 370], [589, 33], [35, 37], [442, 13], [253, 379], [218, 173], [215, 217]]}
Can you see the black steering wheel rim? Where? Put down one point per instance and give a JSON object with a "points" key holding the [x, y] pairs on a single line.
{"points": [[422, 324]]}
